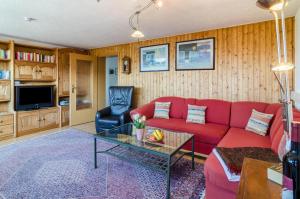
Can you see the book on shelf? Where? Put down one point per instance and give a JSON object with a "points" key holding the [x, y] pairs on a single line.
{"points": [[4, 54], [275, 173], [34, 57], [232, 159]]}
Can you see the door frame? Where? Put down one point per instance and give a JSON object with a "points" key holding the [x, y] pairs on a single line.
{"points": [[84, 115]]}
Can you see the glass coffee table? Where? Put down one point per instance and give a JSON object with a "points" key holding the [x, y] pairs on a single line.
{"points": [[158, 156]]}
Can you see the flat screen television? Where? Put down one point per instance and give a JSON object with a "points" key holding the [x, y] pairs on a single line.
{"points": [[33, 97]]}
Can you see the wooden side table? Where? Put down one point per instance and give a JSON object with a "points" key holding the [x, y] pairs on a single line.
{"points": [[254, 181]]}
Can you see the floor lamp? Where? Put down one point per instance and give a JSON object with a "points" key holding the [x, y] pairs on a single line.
{"points": [[276, 7]]}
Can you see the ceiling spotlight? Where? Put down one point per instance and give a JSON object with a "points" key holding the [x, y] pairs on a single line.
{"points": [[29, 19], [158, 3], [273, 5]]}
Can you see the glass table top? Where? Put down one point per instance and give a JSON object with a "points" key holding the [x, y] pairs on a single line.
{"points": [[125, 134]]}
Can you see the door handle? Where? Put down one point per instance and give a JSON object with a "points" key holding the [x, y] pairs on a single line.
{"points": [[73, 88]]}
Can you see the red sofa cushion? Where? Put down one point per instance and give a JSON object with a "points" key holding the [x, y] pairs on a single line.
{"points": [[205, 133], [177, 105], [235, 137], [218, 111], [241, 112]]}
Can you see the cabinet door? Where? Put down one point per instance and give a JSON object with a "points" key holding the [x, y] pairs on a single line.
{"points": [[65, 116], [49, 118], [66, 80], [47, 73], [28, 121], [25, 72], [5, 91], [64, 74]]}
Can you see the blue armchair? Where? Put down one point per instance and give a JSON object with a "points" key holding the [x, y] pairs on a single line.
{"points": [[120, 99]]}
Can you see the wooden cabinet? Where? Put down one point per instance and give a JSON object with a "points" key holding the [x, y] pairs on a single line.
{"points": [[49, 118], [46, 73], [5, 90], [30, 71], [65, 116], [25, 72], [28, 121], [6, 126], [37, 120]]}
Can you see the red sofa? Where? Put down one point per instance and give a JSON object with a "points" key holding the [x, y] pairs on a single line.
{"points": [[225, 127], [207, 136]]}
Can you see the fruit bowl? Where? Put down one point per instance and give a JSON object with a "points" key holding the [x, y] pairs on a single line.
{"points": [[157, 136]]}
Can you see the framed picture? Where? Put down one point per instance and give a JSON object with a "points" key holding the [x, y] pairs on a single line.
{"points": [[154, 58], [126, 63], [196, 55]]}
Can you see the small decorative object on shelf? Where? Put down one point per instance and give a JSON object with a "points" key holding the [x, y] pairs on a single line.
{"points": [[34, 57], [4, 54], [4, 74], [291, 166], [126, 65], [139, 124]]}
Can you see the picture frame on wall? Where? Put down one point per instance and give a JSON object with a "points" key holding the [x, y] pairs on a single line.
{"points": [[126, 63], [154, 58], [196, 54]]}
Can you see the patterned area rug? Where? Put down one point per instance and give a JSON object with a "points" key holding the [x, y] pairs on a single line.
{"points": [[61, 165]]}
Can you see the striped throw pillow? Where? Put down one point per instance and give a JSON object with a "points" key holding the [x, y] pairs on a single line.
{"points": [[259, 122], [162, 110], [196, 114]]}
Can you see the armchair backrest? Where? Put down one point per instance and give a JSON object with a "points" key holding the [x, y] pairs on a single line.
{"points": [[120, 99]]}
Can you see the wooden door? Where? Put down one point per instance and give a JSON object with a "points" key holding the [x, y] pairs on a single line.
{"points": [[4, 90], [49, 118], [25, 72], [83, 87], [28, 121]]}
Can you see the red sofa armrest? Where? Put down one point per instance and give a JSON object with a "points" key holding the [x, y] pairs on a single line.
{"points": [[146, 110]]}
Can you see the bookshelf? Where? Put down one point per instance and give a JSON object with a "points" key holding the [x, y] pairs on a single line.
{"points": [[35, 64], [26, 65], [7, 115]]}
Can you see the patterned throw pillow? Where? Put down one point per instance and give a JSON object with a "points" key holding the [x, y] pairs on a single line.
{"points": [[162, 110], [196, 114], [259, 122]]}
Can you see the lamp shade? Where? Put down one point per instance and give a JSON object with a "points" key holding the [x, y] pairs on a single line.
{"points": [[282, 67], [273, 5], [137, 34]]}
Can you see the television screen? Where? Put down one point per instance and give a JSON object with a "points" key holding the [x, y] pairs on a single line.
{"points": [[33, 97]]}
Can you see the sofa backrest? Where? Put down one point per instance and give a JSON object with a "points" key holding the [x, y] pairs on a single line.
{"points": [[277, 130], [177, 105], [241, 112], [218, 111]]}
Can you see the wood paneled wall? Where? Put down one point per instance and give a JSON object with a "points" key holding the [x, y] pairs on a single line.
{"points": [[244, 55]]}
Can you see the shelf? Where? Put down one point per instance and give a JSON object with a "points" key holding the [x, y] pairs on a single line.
{"points": [[35, 80], [3, 59], [4, 100], [33, 63], [4, 80], [64, 95]]}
